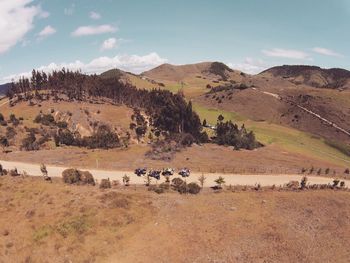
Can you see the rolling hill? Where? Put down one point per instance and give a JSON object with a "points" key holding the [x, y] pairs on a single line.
{"points": [[334, 78], [4, 88], [210, 70]]}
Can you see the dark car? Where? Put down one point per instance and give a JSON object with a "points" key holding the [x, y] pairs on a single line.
{"points": [[185, 172], [140, 171]]}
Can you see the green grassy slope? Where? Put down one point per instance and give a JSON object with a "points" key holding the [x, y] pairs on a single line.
{"points": [[287, 138]]}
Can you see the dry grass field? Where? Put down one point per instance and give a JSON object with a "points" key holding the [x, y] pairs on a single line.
{"points": [[53, 222]]}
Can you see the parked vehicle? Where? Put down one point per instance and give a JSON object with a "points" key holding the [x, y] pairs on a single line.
{"points": [[185, 172], [140, 171], [155, 174], [168, 171]]}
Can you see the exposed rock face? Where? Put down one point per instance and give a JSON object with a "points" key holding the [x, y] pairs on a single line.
{"points": [[76, 126]]}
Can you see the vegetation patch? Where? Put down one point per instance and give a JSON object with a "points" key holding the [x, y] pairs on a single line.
{"points": [[74, 176], [74, 226]]}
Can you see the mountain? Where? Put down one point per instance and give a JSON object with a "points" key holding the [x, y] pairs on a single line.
{"points": [[334, 78], [4, 88], [209, 70]]}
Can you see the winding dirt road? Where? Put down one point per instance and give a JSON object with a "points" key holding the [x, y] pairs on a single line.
{"points": [[233, 179]]}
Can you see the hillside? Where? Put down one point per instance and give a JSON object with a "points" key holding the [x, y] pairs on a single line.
{"points": [[4, 88], [70, 223], [210, 70], [334, 78]]}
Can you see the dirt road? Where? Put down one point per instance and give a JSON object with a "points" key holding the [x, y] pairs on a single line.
{"points": [[233, 179]]}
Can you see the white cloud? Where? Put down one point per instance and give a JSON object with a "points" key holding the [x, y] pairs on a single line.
{"points": [[16, 20], [47, 31], [287, 53], [132, 63], [68, 11], [95, 15], [326, 52], [249, 65], [109, 43], [44, 14], [93, 30]]}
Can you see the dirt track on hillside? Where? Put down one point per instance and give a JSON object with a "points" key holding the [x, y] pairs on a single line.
{"points": [[230, 179]]}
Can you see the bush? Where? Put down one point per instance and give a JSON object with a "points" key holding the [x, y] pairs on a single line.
{"points": [[303, 182], [44, 119], [14, 120], [13, 172], [193, 188], [65, 137], [10, 133], [62, 124], [74, 176], [103, 138], [105, 184], [29, 143], [4, 142], [86, 177], [176, 182], [347, 171], [71, 176]]}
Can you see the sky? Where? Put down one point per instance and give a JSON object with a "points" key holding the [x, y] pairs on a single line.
{"points": [[136, 35]]}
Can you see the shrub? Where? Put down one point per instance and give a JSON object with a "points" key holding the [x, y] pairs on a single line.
{"points": [[14, 120], [176, 182], [13, 172], [74, 176], [336, 182], [182, 189], [103, 138], [62, 124], [303, 182], [293, 185], [45, 119], [105, 184], [4, 142], [347, 171], [86, 177], [71, 176], [1, 117], [10, 133], [220, 181], [126, 180], [29, 143], [64, 136], [193, 188], [201, 180]]}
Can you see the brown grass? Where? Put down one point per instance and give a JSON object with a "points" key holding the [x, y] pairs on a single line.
{"points": [[41, 221]]}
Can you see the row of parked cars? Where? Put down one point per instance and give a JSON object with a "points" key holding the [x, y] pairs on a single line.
{"points": [[184, 172]]}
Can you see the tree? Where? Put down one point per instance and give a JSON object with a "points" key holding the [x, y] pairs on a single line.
{"points": [[204, 123], [220, 181], [201, 180], [43, 170], [148, 180], [126, 180], [303, 182], [220, 118]]}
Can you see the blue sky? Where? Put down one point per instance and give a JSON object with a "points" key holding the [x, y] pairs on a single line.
{"points": [[93, 36]]}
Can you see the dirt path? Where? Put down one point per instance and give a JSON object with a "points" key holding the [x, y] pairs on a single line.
{"points": [[307, 111], [233, 179]]}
